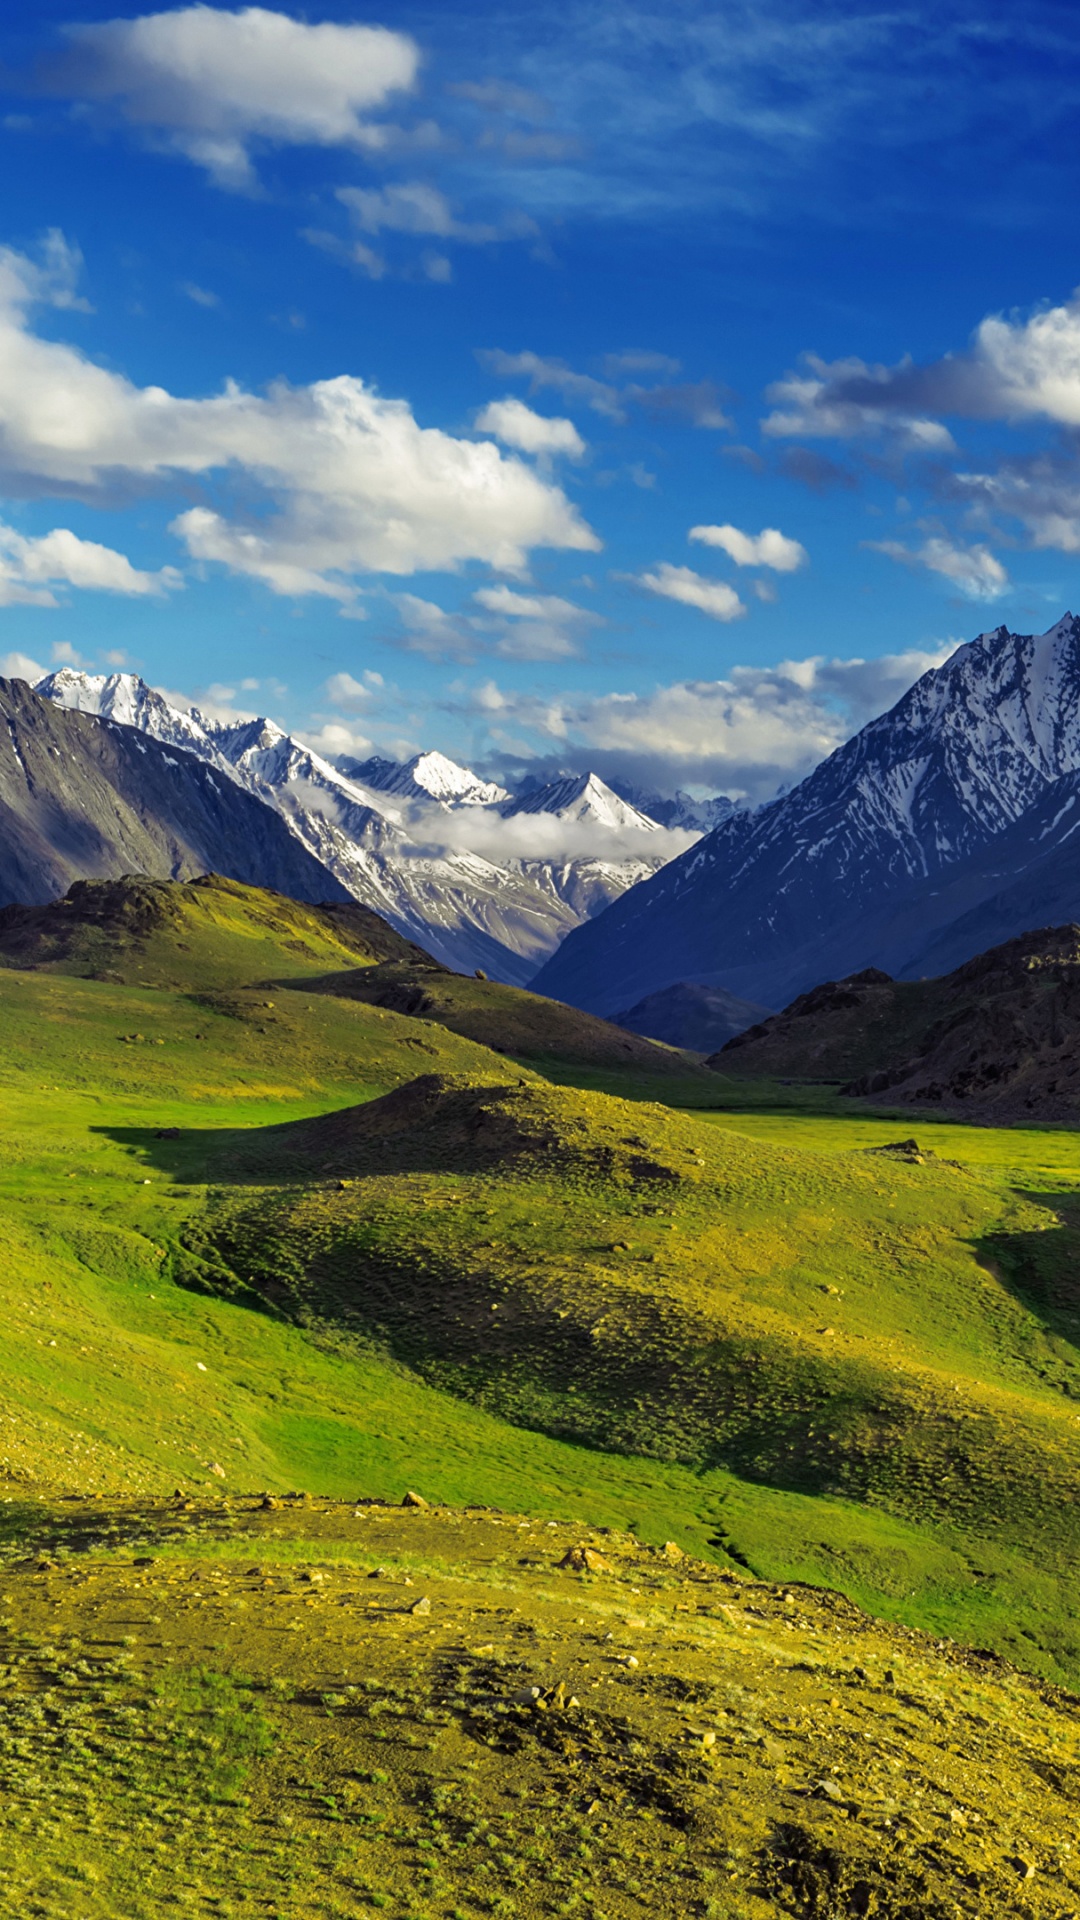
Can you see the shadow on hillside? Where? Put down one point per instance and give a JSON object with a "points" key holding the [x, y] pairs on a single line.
{"points": [[1041, 1270], [214, 1156]]}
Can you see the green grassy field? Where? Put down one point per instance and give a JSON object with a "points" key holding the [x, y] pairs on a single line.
{"points": [[256, 1239], [778, 1348]]}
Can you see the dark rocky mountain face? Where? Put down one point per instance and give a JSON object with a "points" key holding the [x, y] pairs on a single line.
{"points": [[932, 810], [685, 1015], [82, 798], [997, 1040]]}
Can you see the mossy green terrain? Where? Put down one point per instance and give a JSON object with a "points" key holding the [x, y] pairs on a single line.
{"points": [[507, 1019], [321, 1710], [257, 1237]]}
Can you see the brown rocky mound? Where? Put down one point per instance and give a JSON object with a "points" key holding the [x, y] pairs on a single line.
{"points": [[440, 1122], [998, 1038]]}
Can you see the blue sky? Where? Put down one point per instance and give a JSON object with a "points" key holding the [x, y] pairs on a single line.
{"points": [[655, 388]]}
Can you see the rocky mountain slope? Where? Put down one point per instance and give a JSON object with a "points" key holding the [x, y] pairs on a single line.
{"points": [[686, 1015], [88, 798], [930, 814], [996, 1040], [420, 842]]}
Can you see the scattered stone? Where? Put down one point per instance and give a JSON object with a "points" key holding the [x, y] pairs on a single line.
{"points": [[414, 1500], [672, 1551], [216, 1467], [525, 1696], [167, 1133], [423, 1605], [268, 1501], [585, 1560]]}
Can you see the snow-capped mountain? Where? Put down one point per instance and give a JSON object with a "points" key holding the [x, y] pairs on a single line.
{"points": [[941, 803], [582, 798], [383, 831], [427, 777]]}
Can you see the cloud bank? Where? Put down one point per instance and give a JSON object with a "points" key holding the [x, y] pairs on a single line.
{"points": [[349, 481], [745, 734]]}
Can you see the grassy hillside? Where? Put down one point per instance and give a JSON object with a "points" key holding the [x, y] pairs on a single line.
{"points": [[209, 932], [320, 1710], [507, 1019], [662, 1329]]}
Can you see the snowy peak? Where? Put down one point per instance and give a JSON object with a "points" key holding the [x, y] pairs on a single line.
{"points": [[850, 868], [583, 797], [429, 777], [127, 700]]}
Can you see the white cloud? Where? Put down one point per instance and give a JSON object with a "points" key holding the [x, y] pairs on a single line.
{"points": [[350, 481], [31, 567], [344, 691], [207, 83], [713, 597], [540, 836], [974, 570], [528, 606], [769, 548], [844, 401], [334, 738], [513, 625], [19, 666], [743, 734], [202, 296], [516, 425]]}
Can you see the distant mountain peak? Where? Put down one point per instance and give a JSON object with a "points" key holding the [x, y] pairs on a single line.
{"points": [[582, 797], [885, 843]]}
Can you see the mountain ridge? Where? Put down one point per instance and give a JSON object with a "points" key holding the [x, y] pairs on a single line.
{"points": [[844, 871], [82, 797], [397, 837]]}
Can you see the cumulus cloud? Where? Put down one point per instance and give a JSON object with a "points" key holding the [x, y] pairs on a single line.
{"points": [[743, 734], [498, 620], [19, 666], [350, 482], [769, 548], [845, 401], [208, 84], [1015, 369], [1041, 491], [31, 567], [975, 570], [516, 425], [691, 589], [350, 694]]}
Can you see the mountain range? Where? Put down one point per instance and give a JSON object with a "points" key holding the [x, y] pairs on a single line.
{"points": [[86, 798], [481, 877], [946, 825]]}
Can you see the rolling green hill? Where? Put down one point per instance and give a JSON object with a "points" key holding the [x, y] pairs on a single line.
{"points": [[267, 1238], [507, 1019]]}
